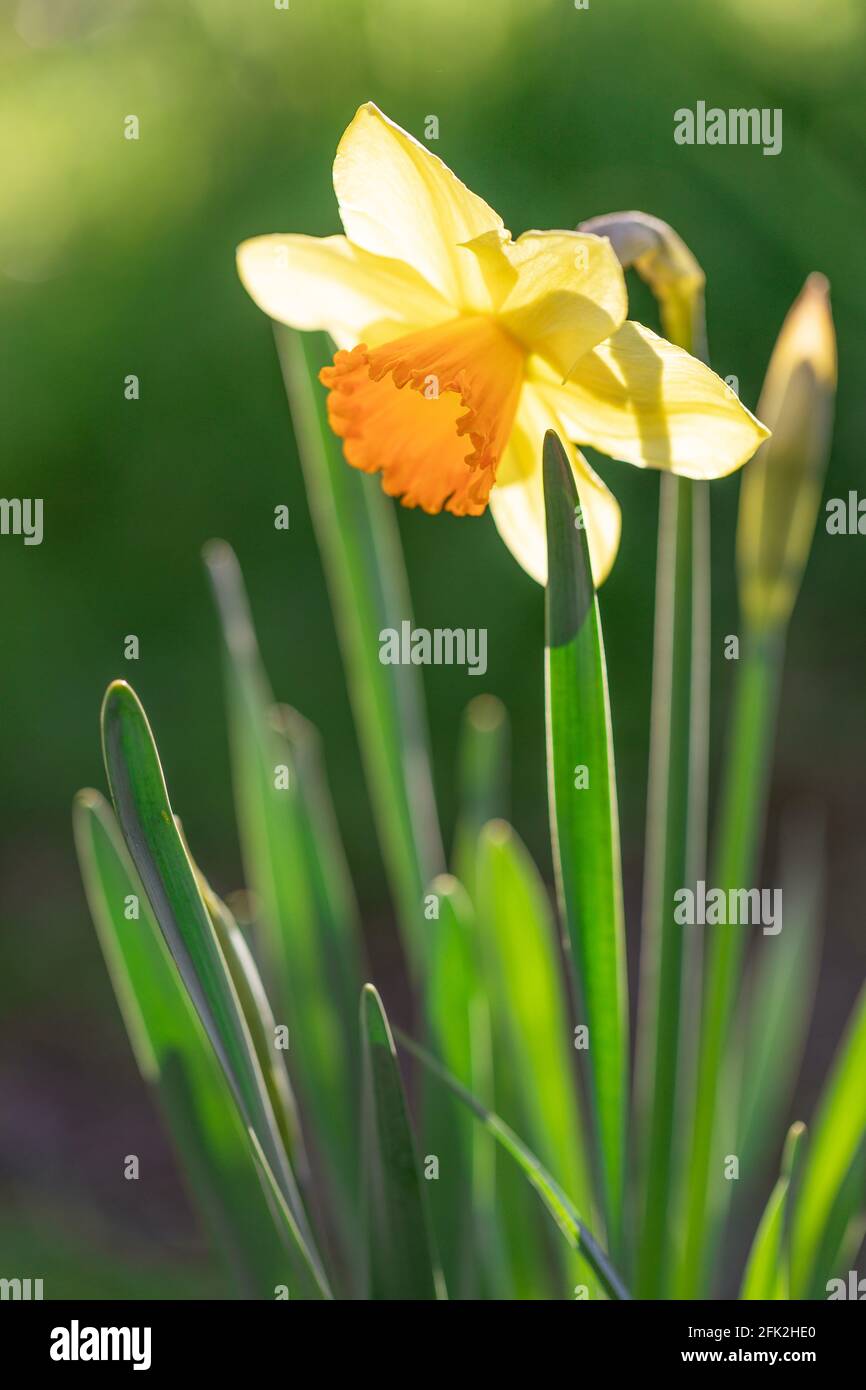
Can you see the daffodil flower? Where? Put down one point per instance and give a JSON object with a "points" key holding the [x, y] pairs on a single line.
{"points": [[458, 348]]}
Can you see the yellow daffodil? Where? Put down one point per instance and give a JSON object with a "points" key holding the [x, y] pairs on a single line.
{"points": [[497, 341]]}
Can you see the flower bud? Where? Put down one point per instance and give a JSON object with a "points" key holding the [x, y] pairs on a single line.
{"points": [[780, 492], [662, 259]]}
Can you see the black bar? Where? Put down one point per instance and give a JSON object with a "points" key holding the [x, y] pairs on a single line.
{"points": [[242, 1337]]}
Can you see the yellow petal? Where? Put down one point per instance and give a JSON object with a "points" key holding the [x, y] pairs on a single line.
{"points": [[517, 498], [399, 200], [569, 295], [327, 283], [491, 250], [640, 399]]}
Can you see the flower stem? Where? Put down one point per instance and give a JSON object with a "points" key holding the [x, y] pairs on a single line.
{"points": [[676, 841], [360, 545], [737, 850]]}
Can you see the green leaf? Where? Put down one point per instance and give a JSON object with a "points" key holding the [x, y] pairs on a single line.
{"points": [[458, 1002], [261, 1023], [288, 860], [522, 969], [323, 853], [454, 985], [483, 776], [175, 1056], [558, 1204], [733, 865], [776, 1022], [451, 996], [763, 1270], [844, 1228], [402, 1264], [141, 801], [676, 811], [763, 1056], [767, 1274], [535, 1074], [836, 1136], [584, 820], [360, 547], [458, 1017], [515, 1255]]}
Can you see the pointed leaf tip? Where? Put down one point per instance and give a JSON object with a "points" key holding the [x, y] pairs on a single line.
{"points": [[374, 1021], [570, 590], [556, 466], [116, 692], [402, 1261]]}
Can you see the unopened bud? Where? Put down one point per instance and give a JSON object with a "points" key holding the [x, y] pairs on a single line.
{"points": [[663, 260], [781, 487]]}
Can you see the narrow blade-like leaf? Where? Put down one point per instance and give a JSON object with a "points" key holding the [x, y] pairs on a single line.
{"points": [[837, 1133], [844, 1229], [558, 1204], [175, 1055], [143, 809], [522, 969], [767, 1274], [402, 1264], [483, 776], [733, 865], [260, 1021], [763, 1270], [776, 1021], [584, 819], [325, 858], [458, 1017], [295, 924]]}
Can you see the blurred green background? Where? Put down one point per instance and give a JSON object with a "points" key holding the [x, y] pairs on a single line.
{"points": [[117, 257]]}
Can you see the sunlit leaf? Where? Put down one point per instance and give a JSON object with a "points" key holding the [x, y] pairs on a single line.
{"points": [[585, 822], [402, 1264]]}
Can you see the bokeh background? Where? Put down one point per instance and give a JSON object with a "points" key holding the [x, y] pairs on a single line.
{"points": [[117, 257]]}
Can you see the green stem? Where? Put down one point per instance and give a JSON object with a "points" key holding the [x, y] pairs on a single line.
{"points": [[676, 838], [740, 833], [357, 534]]}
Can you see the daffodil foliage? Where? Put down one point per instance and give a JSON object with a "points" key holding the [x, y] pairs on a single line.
{"points": [[467, 369]]}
